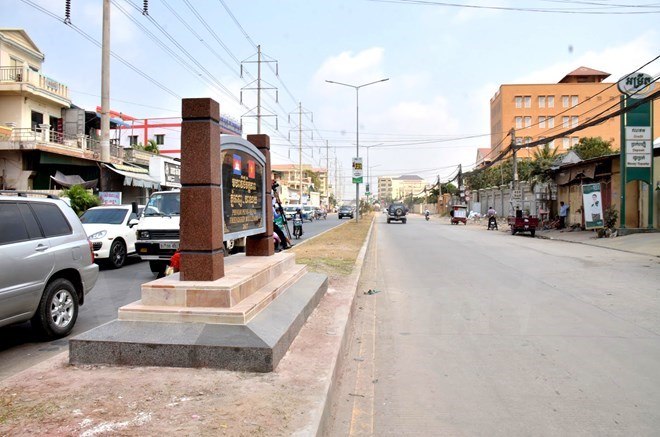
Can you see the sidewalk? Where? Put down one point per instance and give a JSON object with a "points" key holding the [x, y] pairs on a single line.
{"points": [[643, 243]]}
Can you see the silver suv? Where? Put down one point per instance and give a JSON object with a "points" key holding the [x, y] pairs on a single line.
{"points": [[47, 260]]}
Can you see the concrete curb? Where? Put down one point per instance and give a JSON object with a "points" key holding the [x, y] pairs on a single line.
{"points": [[321, 415]]}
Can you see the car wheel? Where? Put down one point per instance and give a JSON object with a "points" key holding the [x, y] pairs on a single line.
{"points": [[117, 254], [388, 221], [404, 221], [58, 309], [513, 230]]}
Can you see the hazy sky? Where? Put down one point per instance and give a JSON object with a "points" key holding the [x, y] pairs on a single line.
{"points": [[444, 62]]}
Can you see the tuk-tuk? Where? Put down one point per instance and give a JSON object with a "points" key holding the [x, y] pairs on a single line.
{"points": [[458, 214]]}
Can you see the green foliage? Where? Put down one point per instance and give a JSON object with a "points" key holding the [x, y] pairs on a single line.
{"points": [[151, 147], [81, 199], [592, 147], [610, 215], [332, 201], [541, 167], [314, 176]]}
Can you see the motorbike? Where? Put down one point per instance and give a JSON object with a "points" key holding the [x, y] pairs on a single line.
{"points": [[297, 228], [492, 223], [427, 216]]}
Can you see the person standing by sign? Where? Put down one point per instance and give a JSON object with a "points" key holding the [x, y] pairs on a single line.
{"points": [[563, 212]]}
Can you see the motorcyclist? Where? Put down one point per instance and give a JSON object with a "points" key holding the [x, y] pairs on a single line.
{"points": [[427, 213], [492, 218], [298, 215]]}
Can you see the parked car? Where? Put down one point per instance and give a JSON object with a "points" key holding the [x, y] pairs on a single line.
{"points": [[50, 263], [113, 236], [345, 211]]}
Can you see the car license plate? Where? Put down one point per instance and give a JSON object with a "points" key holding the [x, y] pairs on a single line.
{"points": [[173, 245]]}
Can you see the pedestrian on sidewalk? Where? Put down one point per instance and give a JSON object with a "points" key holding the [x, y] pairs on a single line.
{"points": [[563, 212]]}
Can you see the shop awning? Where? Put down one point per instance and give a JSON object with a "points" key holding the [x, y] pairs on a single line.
{"points": [[136, 178], [70, 180]]}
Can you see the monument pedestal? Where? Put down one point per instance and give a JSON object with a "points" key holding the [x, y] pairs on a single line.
{"points": [[245, 320]]}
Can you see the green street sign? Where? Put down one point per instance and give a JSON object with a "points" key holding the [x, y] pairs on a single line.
{"points": [[357, 180]]}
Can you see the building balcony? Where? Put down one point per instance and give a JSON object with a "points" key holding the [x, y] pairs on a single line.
{"points": [[23, 81], [80, 146]]}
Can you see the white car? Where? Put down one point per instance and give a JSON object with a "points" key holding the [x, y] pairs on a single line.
{"points": [[112, 237]]}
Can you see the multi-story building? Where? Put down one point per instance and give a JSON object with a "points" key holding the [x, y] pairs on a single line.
{"points": [[46, 142], [392, 188], [289, 176], [165, 132], [538, 111]]}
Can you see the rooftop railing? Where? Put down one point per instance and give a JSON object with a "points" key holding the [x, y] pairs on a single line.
{"points": [[34, 78]]}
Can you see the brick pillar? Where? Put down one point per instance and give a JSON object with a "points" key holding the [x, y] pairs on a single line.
{"points": [[263, 244], [201, 237]]}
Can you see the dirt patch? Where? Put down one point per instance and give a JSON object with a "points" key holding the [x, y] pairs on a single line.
{"points": [[57, 399]]}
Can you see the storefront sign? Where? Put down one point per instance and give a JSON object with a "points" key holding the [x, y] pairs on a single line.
{"points": [[172, 173], [110, 197], [636, 86], [243, 188]]}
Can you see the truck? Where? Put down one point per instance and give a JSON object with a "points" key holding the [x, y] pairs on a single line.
{"points": [[157, 231]]}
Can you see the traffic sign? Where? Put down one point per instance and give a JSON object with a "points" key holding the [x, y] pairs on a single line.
{"points": [[357, 168], [357, 180], [516, 194]]}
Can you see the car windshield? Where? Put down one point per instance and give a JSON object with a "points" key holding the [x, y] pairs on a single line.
{"points": [[290, 209], [112, 216], [163, 204]]}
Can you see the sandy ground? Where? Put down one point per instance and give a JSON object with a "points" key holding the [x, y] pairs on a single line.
{"points": [[57, 399]]}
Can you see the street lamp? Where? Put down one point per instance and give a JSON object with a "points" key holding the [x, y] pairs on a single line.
{"points": [[369, 184], [357, 133]]}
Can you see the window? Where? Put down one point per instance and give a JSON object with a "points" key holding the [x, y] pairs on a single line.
{"points": [[528, 121], [564, 121], [551, 122], [528, 140], [160, 139], [132, 140], [574, 101], [528, 101], [565, 142], [551, 144], [12, 228], [541, 121], [575, 140], [51, 219], [541, 101], [551, 101], [518, 141], [518, 122], [564, 101], [574, 121], [518, 100]]}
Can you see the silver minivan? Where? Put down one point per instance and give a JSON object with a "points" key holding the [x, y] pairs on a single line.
{"points": [[46, 263]]}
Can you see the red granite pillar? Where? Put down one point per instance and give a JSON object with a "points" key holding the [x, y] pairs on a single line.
{"points": [[263, 244], [201, 236]]}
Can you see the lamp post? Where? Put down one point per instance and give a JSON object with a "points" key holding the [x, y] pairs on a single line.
{"points": [[357, 133]]}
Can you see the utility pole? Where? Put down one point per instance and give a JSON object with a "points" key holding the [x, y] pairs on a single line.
{"points": [[514, 185], [327, 171], [105, 84], [258, 88], [300, 131]]}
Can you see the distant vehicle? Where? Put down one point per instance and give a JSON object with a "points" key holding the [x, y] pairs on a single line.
{"points": [[320, 213], [290, 210], [112, 235], [308, 213], [397, 213], [345, 211], [48, 262]]}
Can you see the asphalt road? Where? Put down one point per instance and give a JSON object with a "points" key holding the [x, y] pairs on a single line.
{"points": [[20, 349], [480, 333]]}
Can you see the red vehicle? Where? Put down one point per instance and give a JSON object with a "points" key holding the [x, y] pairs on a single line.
{"points": [[521, 223]]}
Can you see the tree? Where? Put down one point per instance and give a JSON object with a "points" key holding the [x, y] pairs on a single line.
{"points": [[81, 199], [152, 147], [315, 177], [592, 147], [540, 171]]}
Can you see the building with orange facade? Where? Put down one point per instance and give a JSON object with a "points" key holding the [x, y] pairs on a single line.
{"points": [[538, 111]]}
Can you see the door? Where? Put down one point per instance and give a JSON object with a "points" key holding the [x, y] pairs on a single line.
{"points": [[27, 253]]}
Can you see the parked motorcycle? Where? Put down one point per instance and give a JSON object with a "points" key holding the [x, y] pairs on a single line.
{"points": [[297, 228]]}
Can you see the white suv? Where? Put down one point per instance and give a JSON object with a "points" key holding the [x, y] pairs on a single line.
{"points": [[110, 230], [48, 264]]}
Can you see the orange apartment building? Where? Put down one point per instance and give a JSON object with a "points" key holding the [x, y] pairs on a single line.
{"points": [[538, 111]]}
